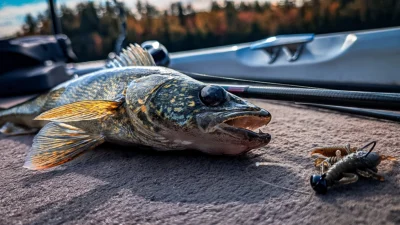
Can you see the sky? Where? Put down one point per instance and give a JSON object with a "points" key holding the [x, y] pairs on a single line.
{"points": [[13, 12]]}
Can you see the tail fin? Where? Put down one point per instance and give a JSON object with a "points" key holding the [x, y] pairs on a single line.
{"points": [[31, 106], [4, 114], [2, 120]]}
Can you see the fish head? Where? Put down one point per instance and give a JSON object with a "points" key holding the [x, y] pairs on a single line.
{"points": [[193, 115]]}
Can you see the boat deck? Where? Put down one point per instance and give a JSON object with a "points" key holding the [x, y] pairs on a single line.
{"points": [[116, 185]]}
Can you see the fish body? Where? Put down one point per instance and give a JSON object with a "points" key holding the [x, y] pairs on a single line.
{"points": [[134, 102]]}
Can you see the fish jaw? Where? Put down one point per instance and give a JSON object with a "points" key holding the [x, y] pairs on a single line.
{"points": [[232, 133]]}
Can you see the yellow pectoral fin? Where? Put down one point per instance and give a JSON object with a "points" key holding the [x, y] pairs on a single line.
{"points": [[58, 143], [78, 111]]}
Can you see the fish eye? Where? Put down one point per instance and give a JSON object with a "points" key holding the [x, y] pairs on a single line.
{"points": [[213, 95]]}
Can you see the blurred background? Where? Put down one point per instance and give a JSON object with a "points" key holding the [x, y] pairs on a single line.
{"points": [[93, 26]]}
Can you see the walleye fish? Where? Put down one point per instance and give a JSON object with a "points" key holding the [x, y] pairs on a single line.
{"points": [[134, 102]]}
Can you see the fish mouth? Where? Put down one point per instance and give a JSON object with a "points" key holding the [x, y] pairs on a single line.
{"points": [[246, 126]]}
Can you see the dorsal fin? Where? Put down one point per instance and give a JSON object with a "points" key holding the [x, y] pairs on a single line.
{"points": [[133, 55]]}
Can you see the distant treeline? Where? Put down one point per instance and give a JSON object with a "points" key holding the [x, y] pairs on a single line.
{"points": [[94, 28]]}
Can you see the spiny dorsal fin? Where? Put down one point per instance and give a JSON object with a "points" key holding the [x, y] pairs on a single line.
{"points": [[78, 111], [58, 143], [134, 55]]}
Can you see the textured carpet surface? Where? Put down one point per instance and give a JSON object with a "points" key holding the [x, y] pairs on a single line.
{"points": [[116, 185]]}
